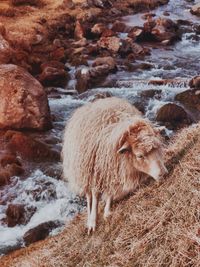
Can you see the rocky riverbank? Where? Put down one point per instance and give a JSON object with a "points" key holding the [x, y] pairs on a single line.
{"points": [[56, 56]]}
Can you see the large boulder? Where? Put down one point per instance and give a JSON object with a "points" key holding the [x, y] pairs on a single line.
{"points": [[23, 101]]}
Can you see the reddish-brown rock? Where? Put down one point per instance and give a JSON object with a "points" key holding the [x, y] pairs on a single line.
{"points": [[79, 32], [40, 232], [110, 61], [51, 76], [18, 214], [29, 148], [195, 82], [111, 43], [23, 101], [172, 113]]}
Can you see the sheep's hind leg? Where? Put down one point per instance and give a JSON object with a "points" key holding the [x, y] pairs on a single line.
{"points": [[107, 211], [92, 219]]}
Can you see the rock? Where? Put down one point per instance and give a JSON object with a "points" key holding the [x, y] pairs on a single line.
{"points": [[100, 3], [8, 158], [4, 177], [29, 148], [23, 101], [119, 26], [174, 114], [111, 43], [191, 101], [98, 29], [18, 214], [108, 33], [88, 77], [129, 47], [26, 2], [195, 82], [58, 54], [195, 10], [40, 232], [5, 51], [52, 76], [79, 32], [9, 166], [136, 33], [100, 96], [80, 43], [146, 94], [165, 30], [110, 61]]}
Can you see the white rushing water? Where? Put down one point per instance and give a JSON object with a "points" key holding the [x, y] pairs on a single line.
{"points": [[181, 61]]}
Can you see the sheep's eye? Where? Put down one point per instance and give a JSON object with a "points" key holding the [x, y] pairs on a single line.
{"points": [[140, 156]]}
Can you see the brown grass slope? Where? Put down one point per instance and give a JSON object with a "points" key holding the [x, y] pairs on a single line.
{"points": [[158, 226]]}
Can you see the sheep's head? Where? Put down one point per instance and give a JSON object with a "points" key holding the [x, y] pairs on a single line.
{"points": [[141, 143]]}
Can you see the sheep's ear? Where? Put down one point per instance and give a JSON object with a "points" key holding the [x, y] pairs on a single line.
{"points": [[124, 148]]}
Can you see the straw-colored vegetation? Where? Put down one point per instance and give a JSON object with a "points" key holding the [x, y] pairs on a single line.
{"points": [[157, 226]]}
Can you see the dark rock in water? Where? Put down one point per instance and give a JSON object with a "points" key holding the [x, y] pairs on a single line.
{"points": [[110, 61], [174, 115], [18, 214], [195, 82], [93, 95], [101, 96], [9, 166], [51, 76], [40, 232], [191, 101], [23, 101], [29, 148], [136, 33], [151, 93], [162, 30], [90, 77]]}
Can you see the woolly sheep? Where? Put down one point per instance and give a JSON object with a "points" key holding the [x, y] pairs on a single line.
{"points": [[108, 148]]}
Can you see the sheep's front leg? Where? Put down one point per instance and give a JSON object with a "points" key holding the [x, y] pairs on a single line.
{"points": [[107, 211], [92, 219], [89, 207]]}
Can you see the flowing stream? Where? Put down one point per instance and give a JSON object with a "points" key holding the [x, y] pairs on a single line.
{"points": [[180, 61]]}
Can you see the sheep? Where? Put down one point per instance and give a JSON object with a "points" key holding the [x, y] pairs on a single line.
{"points": [[108, 148]]}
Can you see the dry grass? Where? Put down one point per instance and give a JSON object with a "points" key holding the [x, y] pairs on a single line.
{"points": [[158, 226]]}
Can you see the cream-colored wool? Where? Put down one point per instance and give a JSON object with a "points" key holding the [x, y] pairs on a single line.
{"points": [[92, 138]]}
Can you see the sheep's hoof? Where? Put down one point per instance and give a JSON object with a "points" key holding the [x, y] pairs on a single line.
{"points": [[107, 215], [91, 230]]}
